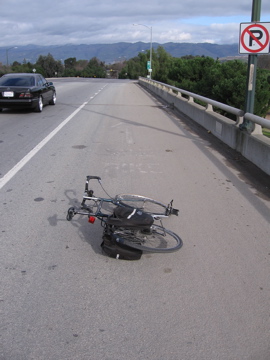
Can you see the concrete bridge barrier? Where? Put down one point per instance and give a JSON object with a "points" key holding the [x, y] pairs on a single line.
{"points": [[252, 144]]}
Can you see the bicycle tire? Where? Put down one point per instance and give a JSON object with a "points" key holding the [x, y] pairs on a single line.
{"points": [[145, 204], [157, 240]]}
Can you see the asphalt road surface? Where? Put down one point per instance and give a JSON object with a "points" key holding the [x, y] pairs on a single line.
{"points": [[62, 299]]}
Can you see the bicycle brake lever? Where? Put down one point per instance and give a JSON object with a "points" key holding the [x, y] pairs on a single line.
{"points": [[172, 211]]}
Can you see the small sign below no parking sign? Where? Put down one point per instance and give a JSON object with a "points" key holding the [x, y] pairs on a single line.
{"points": [[254, 38]]}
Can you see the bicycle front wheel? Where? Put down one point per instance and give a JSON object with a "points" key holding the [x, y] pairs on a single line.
{"points": [[145, 204], [157, 239]]}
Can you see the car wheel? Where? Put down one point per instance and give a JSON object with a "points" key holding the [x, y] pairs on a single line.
{"points": [[39, 107], [53, 99]]}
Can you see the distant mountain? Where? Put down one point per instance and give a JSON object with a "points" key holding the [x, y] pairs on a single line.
{"points": [[111, 53]]}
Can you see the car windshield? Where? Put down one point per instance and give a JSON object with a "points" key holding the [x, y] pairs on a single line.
{"points": [[17, 81]]}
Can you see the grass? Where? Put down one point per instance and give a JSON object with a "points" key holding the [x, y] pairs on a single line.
{"points": [[266, 132]]}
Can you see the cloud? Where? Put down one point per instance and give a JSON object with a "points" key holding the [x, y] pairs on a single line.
{"points": [[49, 22]]}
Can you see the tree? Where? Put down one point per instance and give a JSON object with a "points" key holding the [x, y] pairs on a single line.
{"points": [[81, 65], [262, 99], [224, 82], [135, 67], [264, 62], [229, 83], [48, 66], [70, 67], [161, 65], [95, 68], [70, 63], [22, 68]]}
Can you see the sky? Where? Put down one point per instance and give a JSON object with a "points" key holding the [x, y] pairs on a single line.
{"points": [[59, 22]]}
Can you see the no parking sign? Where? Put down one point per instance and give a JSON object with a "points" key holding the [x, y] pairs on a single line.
{"points": [[254, 38]]}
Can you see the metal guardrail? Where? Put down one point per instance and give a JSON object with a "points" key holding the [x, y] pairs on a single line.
{"points": [[258, 120], [191, 96]]}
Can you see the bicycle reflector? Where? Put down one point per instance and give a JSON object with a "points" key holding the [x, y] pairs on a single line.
{"points": [[91, 219]]}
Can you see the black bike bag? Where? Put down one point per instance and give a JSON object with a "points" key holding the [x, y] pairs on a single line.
{"points": [[130, 218], [119, 251]]}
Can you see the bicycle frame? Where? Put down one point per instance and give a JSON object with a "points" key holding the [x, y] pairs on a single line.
{"points": [[119, 200], [129, 219], [98, 203]]}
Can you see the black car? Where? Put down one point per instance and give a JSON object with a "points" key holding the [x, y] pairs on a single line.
{"points": [[22, 91]]}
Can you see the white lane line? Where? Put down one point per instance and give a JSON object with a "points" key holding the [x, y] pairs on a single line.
{"points": [[9, 175], [118, 124], [129, 137]]}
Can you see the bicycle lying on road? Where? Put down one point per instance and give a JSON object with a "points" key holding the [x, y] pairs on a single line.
{"points": [[129, 222]]}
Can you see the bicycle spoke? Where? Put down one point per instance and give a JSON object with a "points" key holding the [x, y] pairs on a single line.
{"points": [[157, 239]]}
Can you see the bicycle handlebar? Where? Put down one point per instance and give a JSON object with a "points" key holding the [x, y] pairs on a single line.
{"points": [[88, 178]]}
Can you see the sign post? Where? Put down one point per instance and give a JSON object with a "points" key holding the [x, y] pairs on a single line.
{"points": [[254, 39]]}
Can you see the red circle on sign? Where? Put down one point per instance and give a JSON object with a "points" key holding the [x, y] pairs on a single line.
{"points": [[263, 46]]}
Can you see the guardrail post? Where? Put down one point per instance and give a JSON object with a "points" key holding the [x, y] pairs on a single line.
{"points": [[239, 120], [209, 107], [257, 130]]}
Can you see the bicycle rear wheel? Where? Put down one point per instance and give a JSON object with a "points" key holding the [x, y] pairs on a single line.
{"points": [[145, 204], [157, 239]]}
